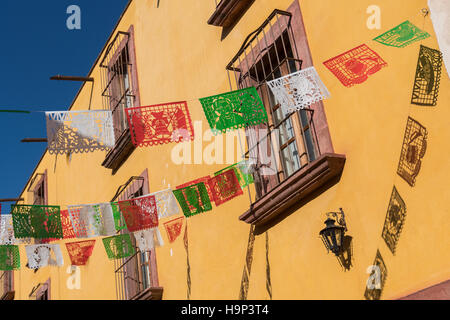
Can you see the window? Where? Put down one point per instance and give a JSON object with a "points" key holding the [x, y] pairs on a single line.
{"points": [[7, 285], [120, 90], [136, 276], [38, 189], [286, 154]]}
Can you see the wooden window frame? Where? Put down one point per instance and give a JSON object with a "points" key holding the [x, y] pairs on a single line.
{"points": [[35, 187], [7, 279], [284, 196], [124, 146]]}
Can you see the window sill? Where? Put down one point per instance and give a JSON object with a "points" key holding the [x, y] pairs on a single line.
{"points": [[153, 293], [123, 149], [228, 11], [295, 191]]}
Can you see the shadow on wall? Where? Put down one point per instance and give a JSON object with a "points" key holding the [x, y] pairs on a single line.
{"points": [[264, 227]]}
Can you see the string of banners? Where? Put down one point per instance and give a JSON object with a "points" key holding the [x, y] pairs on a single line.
{"points": [[89, 131], [118, 223]]}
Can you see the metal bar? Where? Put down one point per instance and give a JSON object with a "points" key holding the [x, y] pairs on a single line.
{"points": [[72, 78], [11, 200], [34, 140], [250, 38]]}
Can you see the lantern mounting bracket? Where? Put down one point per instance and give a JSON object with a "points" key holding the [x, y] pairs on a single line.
{"points": [[339, 217]]}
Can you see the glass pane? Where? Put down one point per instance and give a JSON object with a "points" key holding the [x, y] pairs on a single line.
{"points": [[310, 145], [291, 159]]}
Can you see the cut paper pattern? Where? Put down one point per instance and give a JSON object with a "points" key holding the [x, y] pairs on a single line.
{"points": [[203, 180], [428, 77], [225, 187], [6, 230], [298, 90], [39, 222], [356, 65], [140, 213], [395, 219], [233, 110], [79, 131], [9, 257], [118, 247], [193, 199], [377, 279], [92, 220], [79, 252], [147, 240], [42, 255], [242, 171], [67, 228], [119, 221], [160, 124], [66, 224], [402, 35], [166, 204], [413, 150], [173, 228]]}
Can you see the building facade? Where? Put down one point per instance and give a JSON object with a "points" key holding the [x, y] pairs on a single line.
{"points": [[340, 153]]}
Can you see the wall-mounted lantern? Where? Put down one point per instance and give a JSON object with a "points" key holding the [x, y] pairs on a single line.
{"points": [[333, 235]]}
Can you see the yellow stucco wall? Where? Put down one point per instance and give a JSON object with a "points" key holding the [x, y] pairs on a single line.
{"points": [[181, 57]]}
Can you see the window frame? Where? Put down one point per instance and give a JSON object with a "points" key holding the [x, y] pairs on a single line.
{"points": [[124, 146], [284, 196], [135, 187]]}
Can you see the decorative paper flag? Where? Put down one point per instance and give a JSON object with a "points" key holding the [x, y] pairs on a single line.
{"points": [[242, 173], [6, 230], [147, 239], [42, 255], [413, 150], [67, 228], [440, 16], [119, 221], [193, 199], [225, 187], [66, 223], [140, 213], [39, 222], [233, 110], [402, 35], [204, 180], [356, 65], [428, 76], [92, 220], [79, 252], [173, 228], [166, 204], [79, 131], [298, 90], [160, 124], [119, 246], [9, 257]]}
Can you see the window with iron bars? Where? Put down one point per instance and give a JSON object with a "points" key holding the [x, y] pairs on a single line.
{"points": [[117, 84], [288, 142], [134, 274]]}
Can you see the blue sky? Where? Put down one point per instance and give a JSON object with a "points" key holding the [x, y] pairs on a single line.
{"points": [[37, 44]]}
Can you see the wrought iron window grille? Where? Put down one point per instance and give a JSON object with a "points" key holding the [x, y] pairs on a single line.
{"points": [[259, 61]]}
